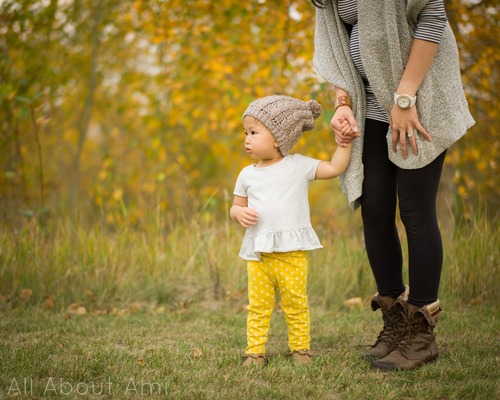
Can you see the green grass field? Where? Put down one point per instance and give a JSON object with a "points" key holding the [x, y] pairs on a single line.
{"points": [[195, 353], [89, 311]]}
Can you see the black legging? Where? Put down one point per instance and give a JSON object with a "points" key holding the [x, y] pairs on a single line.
{"points": [[416, 189]]}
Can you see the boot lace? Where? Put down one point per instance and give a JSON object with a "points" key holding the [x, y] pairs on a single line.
{"points": [[391, 325], [409, 331]]}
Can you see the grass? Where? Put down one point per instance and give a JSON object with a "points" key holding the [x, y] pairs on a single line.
{"points": [[195, 353], [158, 310], [66, 261]]}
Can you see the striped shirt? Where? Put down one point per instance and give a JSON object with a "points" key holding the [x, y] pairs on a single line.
{"points": [[430, 27]]}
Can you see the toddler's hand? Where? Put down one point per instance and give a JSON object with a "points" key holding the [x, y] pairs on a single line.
{"points": [[344, 127], [247, 217]]}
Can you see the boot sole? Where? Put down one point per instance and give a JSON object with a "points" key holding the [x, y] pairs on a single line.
{"points": [[371, 358], [392, 367]]}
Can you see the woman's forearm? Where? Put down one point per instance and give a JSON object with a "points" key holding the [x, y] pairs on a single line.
{"points": [[421, 56], [340, 92]]}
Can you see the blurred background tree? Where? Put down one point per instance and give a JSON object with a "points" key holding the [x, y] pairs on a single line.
{"points": [[476, 159], [115, 108]]}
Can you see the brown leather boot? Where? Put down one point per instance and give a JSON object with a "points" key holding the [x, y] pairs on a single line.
{"points": [[393, 326], [417, 345]]}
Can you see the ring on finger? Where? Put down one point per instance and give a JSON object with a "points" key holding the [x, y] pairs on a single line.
{"points": [[410, 135]]}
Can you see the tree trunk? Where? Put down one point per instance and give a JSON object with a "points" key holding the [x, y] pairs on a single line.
{"points": [[89, 101]]}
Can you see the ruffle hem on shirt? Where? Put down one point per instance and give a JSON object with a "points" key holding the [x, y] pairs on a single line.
{"points": [[279, 242]]}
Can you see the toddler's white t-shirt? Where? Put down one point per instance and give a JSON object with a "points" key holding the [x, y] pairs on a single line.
{"points": [[279, 194]]}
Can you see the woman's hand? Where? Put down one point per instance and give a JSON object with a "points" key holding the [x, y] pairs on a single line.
{"points": [[344, 126], [404, 124]]}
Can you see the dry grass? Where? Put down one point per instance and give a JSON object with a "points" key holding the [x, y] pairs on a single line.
{"points": [[195, 353], [160, 311]]}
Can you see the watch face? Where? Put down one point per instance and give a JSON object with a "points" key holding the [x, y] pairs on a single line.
{"points": [[404, 101]]}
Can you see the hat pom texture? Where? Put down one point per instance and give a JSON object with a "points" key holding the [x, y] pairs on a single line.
{"points": [[315, 108], [286, 118]]}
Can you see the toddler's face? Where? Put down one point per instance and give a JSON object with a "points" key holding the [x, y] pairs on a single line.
{"points": [[259, 142]]}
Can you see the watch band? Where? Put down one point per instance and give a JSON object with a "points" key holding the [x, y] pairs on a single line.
{"points": [[343, 101], [403, 96]]}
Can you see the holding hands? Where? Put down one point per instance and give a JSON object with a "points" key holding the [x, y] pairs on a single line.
{"points": [[345, 127], [403, 121], [343, 122]]}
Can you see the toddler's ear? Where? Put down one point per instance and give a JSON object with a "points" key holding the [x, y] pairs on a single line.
{"points": [[276, 145]]}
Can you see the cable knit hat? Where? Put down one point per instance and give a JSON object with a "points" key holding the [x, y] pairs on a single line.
{"points": [[285, 117]]}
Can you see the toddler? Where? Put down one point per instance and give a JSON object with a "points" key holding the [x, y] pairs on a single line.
{"points": [[271, 202]]}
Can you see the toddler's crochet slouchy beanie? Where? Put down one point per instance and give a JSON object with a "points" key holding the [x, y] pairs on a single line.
{"points": [[286, 118]]}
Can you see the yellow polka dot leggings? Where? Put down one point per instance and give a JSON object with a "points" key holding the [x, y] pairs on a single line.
{"points": [[286, 272]]}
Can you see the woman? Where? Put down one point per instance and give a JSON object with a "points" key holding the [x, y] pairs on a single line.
{"points": [[394, 66]]}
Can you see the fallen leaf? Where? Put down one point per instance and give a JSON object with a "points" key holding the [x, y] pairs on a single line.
{"points": [[122, 312], [477, 301], [49, 302], [25, 295], [76, 309], [73, 307], [81, 311], [235, 294], [197, 353], [160, 310], [141, 362], [354, 302]]}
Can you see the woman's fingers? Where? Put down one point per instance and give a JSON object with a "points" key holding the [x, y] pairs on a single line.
{"points": [[405, 126], [422, 131], [353, 124], [413, 142], [402, 144], [395, 140], [403, 137]]}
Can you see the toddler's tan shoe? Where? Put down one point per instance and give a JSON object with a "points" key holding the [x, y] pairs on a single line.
{"points": [[259, 360], [302, 357]]}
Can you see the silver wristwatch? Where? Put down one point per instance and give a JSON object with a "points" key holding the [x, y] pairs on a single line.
{"points": [[404, 101]]}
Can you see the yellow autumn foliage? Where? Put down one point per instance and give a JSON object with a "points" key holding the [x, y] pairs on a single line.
{"points": [[138, 104]]}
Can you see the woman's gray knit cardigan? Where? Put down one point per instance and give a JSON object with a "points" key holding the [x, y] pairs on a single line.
{"points": [[385, 38]]}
